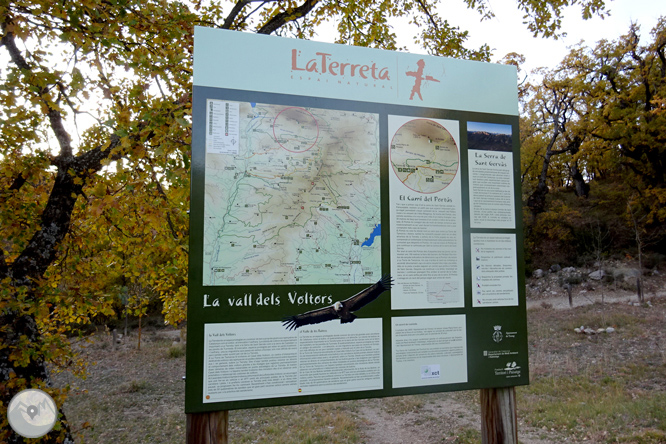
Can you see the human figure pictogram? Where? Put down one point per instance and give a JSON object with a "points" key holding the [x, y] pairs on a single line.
{"points": [[418, 75]]}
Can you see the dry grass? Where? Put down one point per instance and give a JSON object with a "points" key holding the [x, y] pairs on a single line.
{"points": [[595, 389]]}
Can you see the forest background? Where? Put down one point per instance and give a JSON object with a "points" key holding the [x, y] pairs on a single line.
{"points": [[94, 147]]}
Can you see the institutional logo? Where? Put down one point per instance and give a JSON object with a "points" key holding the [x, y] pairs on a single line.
{"points": [[431, 371], [497, 334], [32, 413], [512, 366], [418, 79], [510, 370]]}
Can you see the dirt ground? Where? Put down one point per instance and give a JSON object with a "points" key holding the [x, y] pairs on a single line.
{"points": [[137, 396]]}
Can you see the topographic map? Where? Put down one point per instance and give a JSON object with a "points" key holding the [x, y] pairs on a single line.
{"points": [[424, 156], [292, 195]]}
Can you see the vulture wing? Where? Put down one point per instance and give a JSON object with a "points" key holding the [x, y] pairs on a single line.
{"points": [[310, 317], [364, 297]]}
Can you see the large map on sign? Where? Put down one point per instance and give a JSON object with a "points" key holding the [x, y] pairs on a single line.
{"points": [[291, 196]]}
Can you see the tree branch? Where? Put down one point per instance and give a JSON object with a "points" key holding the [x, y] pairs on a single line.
{"points": [[56, 217], [55, 118], [163, 195], [14, 53], [91, 161], [284, 17], [17, 183], [238, 7], [428, 14]]}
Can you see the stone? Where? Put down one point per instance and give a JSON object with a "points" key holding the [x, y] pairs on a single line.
{"points": [[590, 331], [597, 275], [569, 270], [577, 330], [610, 330], [555, 268], [601, 330], [538, 274]]}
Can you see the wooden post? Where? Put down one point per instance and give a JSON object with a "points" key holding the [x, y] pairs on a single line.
{"points": [[208, 428], [499, 424]]}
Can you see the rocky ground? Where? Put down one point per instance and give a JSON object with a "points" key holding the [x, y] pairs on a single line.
{"points": [[608, 282]]}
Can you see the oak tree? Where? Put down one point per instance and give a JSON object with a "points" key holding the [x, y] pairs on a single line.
{"points": [[95, 145], [598, 119]]}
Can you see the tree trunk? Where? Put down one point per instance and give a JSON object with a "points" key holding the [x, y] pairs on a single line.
{"points": [[13, 328], [536, 202], [581, 188]]}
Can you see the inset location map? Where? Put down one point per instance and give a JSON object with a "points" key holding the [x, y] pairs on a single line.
{"points": [[424, 156], [299, 203]]}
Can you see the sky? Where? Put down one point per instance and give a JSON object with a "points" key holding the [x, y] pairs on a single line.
{"points": [[506, 33], [495, 128]]}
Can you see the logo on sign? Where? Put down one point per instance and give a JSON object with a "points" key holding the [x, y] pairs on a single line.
{"points": [[512, 366], [419, 78], [430, 371], [324, 63], [510, 370], [497, 334]]}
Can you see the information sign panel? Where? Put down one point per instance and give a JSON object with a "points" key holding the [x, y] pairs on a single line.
{"points": [[355, 224]]}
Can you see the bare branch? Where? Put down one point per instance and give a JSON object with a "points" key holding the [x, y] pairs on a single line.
{"points": [[159, 86], [246, 17], [428, 14]]}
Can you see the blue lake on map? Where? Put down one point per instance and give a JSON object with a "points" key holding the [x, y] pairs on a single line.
{"points": [[376, 232]]}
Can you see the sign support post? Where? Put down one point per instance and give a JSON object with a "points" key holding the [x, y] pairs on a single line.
{"points": [[208, 427], [499, 424]]}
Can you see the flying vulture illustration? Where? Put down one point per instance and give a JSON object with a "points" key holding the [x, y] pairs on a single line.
{"points": [[341, 309]]}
